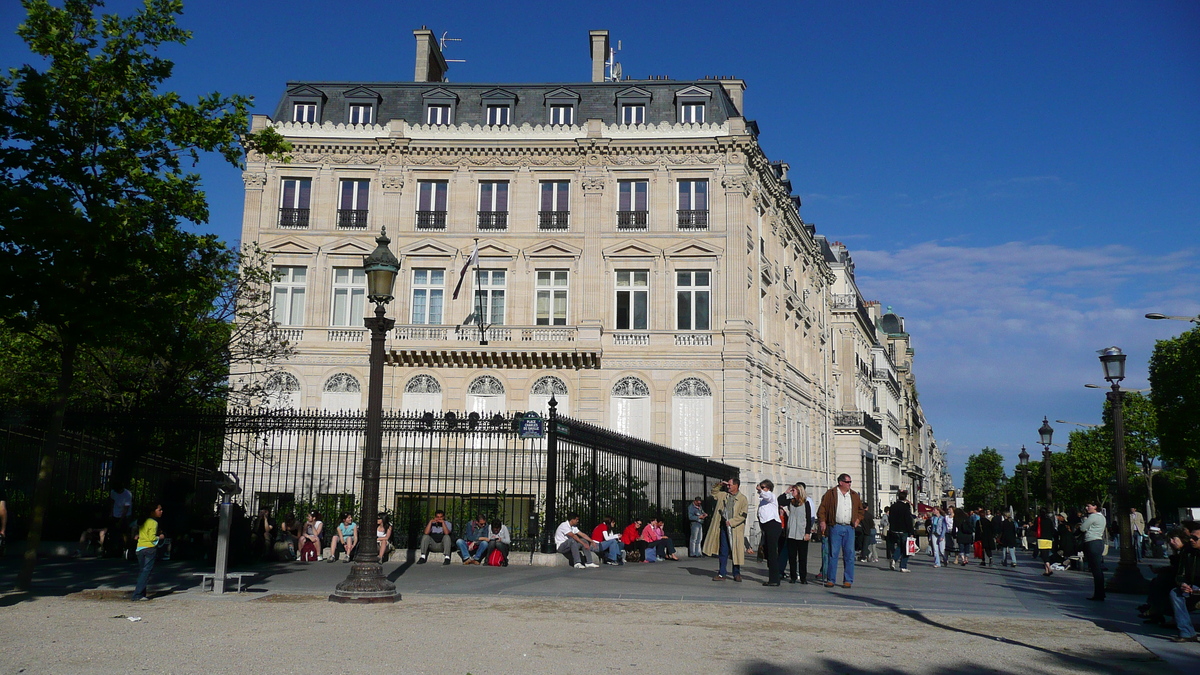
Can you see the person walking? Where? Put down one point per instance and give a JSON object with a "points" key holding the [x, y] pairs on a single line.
{"points": [[726, 531], [149, 537], [937, 537], [1137, 526], [868, 527], [1094, 527], [1006, 533], [964, 535], [1046, 531], [696, 516], [799, 532], [900, 520], [887, 533], [985, 534], [772, 527], [839, 513]]}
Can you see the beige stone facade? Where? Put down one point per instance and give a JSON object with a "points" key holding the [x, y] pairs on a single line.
{"points": [[699, 308]]}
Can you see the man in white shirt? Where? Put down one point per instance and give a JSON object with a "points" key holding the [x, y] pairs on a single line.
{"points": [[568, 538], [772, 529]]}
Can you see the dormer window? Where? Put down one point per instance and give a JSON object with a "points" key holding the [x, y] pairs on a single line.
{"points": [[440, 107], [562, 114], [305, 111], [360, 113], [632, 105], [498, 115], [633, 113], [691, 113], [437, 114], [560, 105], [691, 105]]}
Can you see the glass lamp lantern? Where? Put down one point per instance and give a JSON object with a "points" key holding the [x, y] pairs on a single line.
{"points": [[1024, 456], [1046, 432], [381, 268], [1113, 361]]}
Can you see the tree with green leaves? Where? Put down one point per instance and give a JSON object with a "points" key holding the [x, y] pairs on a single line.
{"points": [[984, 480], [1175, 394], [94, 193]]}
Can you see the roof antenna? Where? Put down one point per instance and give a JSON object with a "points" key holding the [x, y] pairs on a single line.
{"points": [[614, 68], [442, 46]]}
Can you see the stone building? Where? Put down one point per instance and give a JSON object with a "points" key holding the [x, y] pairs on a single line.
{"points": [[639, 258]]}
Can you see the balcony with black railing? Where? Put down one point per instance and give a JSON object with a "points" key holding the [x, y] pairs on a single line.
{"points": [[553, 220], [431, 220], [857, 419], [293, 219], [352, 219], [632, 220], [493, 220], [692, 219]]}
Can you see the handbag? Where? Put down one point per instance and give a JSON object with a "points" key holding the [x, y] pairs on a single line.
{"points": [[979, 549], [910, 546], [495, 558], [1045, 544]]}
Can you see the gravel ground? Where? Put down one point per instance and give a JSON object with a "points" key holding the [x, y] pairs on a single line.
{"points": [[277, 633]]}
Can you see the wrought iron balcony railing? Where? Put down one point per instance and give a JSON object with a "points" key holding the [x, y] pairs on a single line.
{"points": [[293, 219], [431, 220], [553, 220], [632, 220], [352, 219]]}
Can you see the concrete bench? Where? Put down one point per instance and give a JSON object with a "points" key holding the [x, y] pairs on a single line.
{"points": [[207, 578]]}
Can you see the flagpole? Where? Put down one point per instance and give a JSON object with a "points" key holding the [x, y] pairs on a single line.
{"points": [[478, 304]]}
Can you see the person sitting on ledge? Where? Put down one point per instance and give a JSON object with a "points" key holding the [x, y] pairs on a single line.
{"points": [[653, 535], [569, 540], [346, 535], [383, 535], [437, 533], [605, 534], [499, 539], [474, 542], [631, 540]]}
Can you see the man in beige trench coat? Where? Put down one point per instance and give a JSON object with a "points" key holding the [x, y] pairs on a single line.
{"points": [[728, 528]]}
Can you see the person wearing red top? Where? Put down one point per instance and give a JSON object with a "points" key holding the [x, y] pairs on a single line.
{"points": [[606, 536], [663, 546], [631, 538]]}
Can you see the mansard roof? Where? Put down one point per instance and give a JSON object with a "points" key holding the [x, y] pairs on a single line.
{"points": [[593, 100]]}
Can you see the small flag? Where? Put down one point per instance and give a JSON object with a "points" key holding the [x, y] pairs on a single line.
{"points": [[473, 260]]}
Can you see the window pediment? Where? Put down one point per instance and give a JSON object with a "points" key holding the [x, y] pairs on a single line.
{"points": [[362, 94], [491, 248], [440, 95], [553, 248], [633, 93], [498, 96], [306, 91], [693, 92], [429, 248], [288, 246], [632, 249], [694, 249], [562, 95], [348, 247]]}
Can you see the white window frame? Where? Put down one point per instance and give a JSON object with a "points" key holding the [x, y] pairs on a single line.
{"points": [[565, 114], [360, 191], [636, 293], [297, 193], [560, 195], [290, 282], [494, 188], [688, 195], [691, 113], [499, 114], [361, 113], [633, 113], [630, 186], [693, 290], [304, 111], [490, 287], [438, 114], [348, 297], [427, 194], [424, 287], [548, 290]]}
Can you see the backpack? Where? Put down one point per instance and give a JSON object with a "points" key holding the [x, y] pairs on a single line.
{"points": [[308, 552], [495, 557]]}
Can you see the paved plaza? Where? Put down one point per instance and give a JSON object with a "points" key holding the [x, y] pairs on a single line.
{"points": [[637, 618]]}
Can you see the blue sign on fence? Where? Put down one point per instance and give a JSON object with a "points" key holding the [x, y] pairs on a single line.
{"points": [[532, 426]]}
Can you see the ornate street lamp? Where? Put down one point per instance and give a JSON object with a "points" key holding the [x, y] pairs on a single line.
{"points": [[1127, 578], [1046, 433], [1024, 457], [366, 582]]}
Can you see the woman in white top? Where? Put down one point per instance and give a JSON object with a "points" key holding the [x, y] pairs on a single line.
{"points": [[383, 534], [772, 527]]}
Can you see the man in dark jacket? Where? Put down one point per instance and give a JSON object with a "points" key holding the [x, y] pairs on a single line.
{"points": [[900, 526], [1187, 584], [985, 534], [1008, 541]]}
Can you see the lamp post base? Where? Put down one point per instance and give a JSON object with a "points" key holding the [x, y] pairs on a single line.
{"points": [[365, 584], [1127, 579]]}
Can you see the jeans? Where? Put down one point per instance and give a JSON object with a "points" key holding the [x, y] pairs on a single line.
{"points": [[145, 558], [1183, 620], [578, 553], [1137, 545], [1008, 554], [841, 539], [611, 549], [825, 546], [696, 539], [900, 549], [465, 552], [1093, 551], [938, 544], [725, 552]]}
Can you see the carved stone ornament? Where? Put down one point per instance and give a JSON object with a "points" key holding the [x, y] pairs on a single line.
{"points": [[423, 384], [254, 181], [392, 181], [485, 385], [734, 183], [549, 385], [692, 388], [631, 387], [593, 184]]}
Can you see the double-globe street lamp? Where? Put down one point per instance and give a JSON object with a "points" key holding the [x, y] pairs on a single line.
{"points": [[1046, 436], [1127, 578], [366, 582]]}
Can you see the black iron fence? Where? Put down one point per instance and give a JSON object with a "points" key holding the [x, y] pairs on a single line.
{"points": [[294, 461]]}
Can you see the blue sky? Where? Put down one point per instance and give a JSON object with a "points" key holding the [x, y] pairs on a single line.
{"points": [[1020, 180]]}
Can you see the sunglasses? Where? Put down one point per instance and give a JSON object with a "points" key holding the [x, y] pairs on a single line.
{"points": [[844, 481]]}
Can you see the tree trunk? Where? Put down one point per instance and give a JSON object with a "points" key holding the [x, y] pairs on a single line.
{"points": [[41, 494], [1150, 495]]}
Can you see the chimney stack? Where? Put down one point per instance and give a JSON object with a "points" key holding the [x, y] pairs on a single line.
{"points": [[599, 39], [431, 65], [735, 88]]}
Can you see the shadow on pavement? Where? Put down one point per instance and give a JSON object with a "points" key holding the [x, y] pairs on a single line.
{"points": [[831, 665]]}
